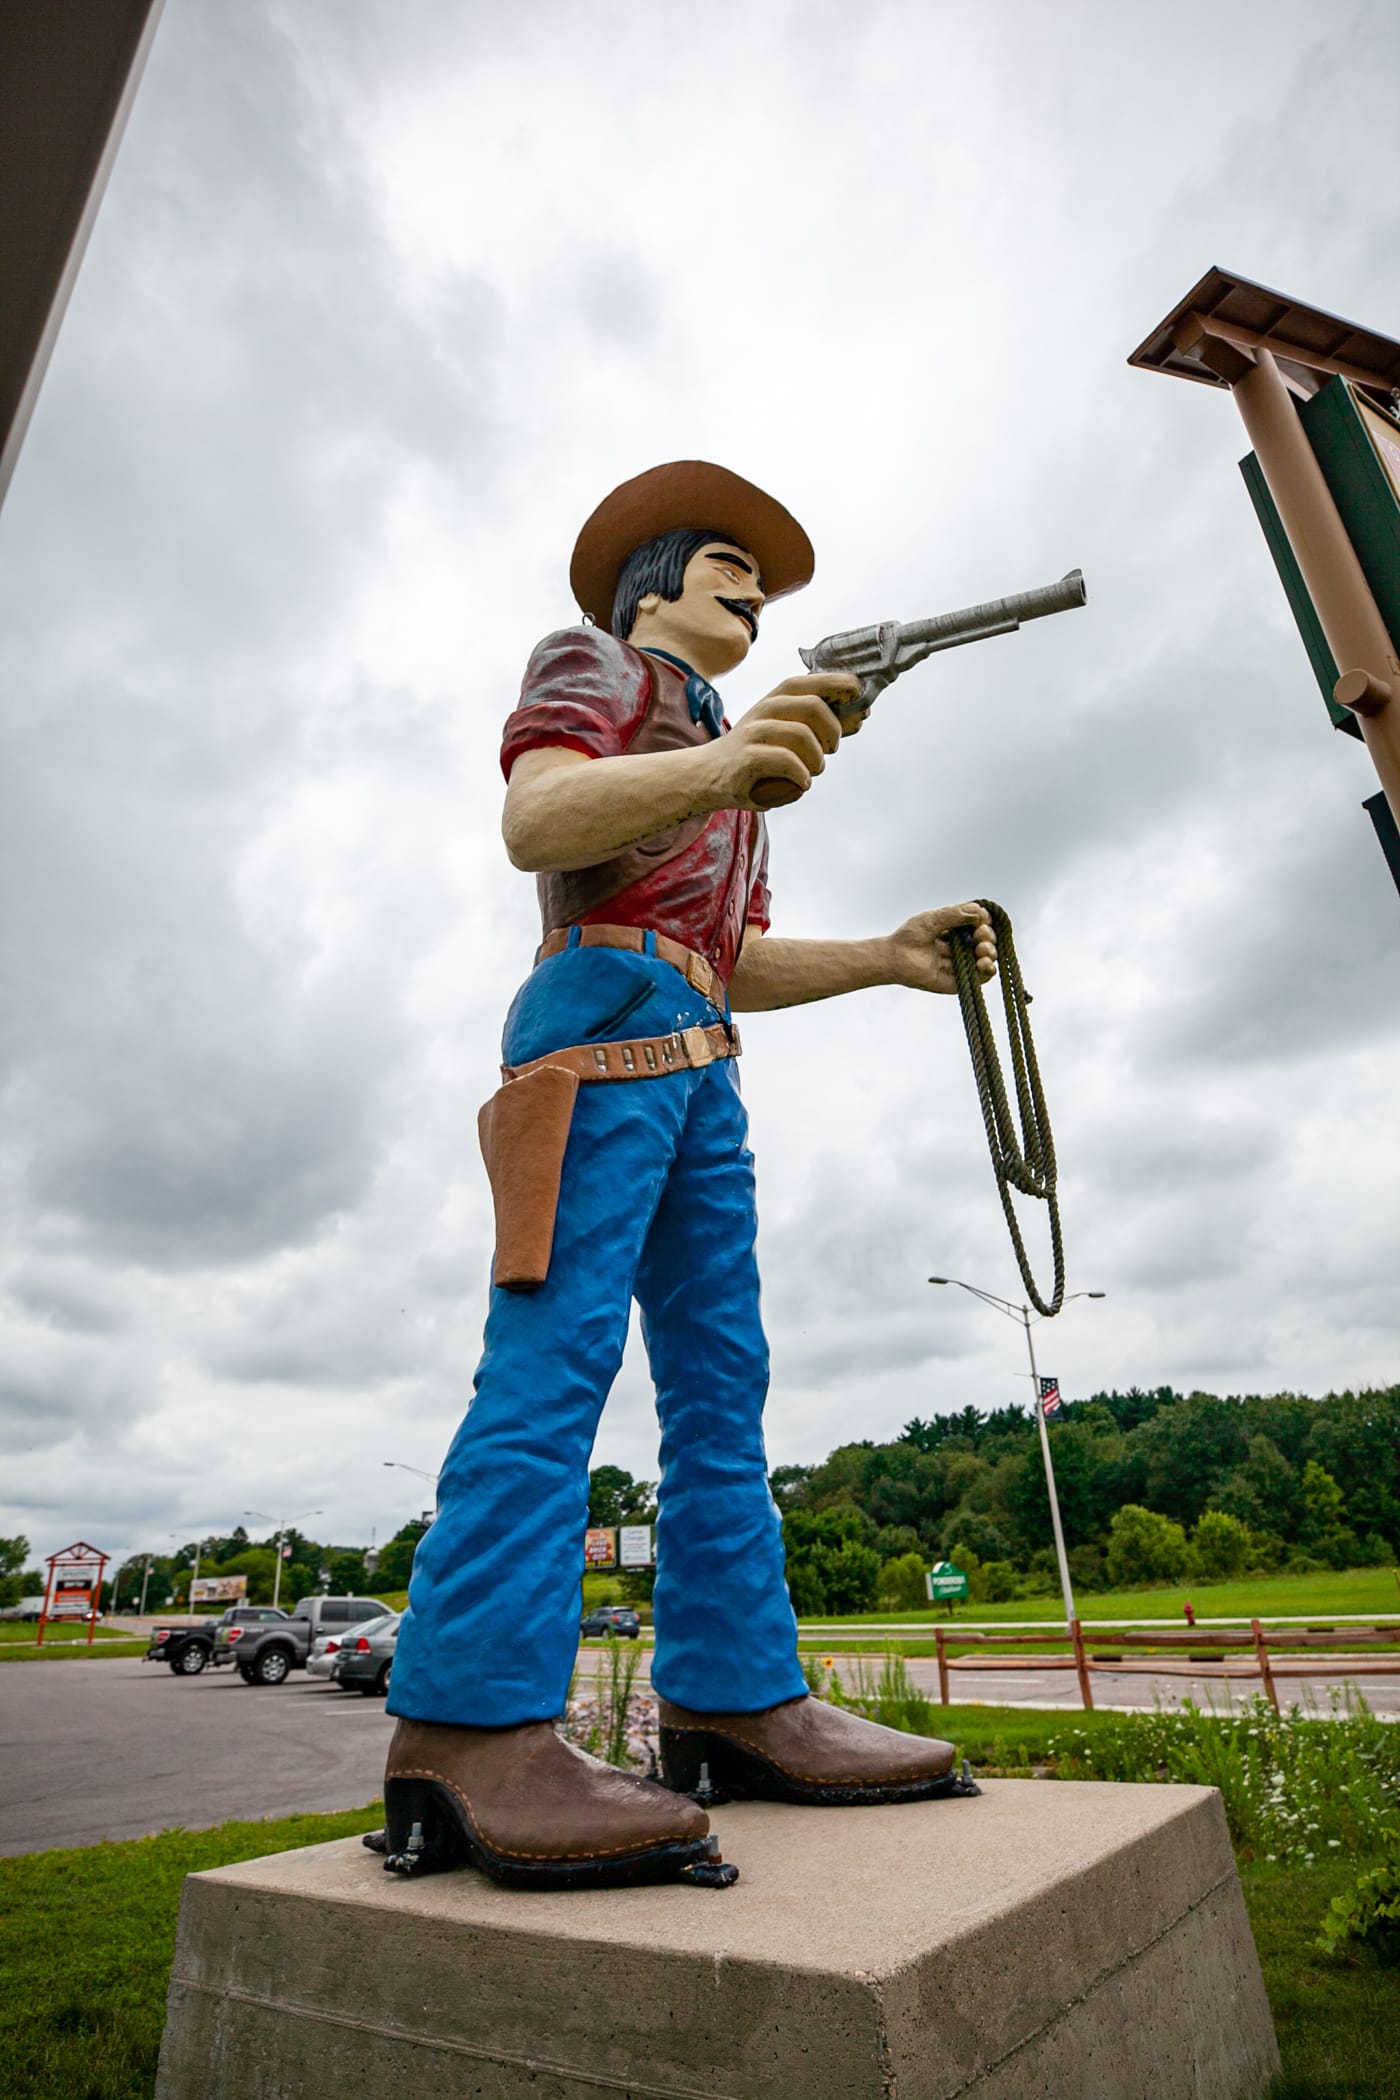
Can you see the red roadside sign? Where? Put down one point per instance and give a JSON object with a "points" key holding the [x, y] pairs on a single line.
{"points": [[74, 1587]]}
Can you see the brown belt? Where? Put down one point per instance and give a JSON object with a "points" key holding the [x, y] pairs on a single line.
{"points": [[650, 1057], [698, 973]]}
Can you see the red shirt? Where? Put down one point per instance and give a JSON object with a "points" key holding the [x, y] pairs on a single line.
{"points": [[586, 692]]}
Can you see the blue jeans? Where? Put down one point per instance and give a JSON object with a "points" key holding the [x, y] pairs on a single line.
{"points": [[656, 1202]]}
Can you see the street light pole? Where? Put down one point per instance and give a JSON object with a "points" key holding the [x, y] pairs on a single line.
{"points": [[145, 1578], [284, 1525], [1022, 1315], [194, 1575]]}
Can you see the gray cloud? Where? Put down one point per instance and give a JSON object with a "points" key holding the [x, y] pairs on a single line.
{"points": [[379, 303]]}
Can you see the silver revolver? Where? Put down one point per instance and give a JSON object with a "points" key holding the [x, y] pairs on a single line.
{"points": [[877, 655]]}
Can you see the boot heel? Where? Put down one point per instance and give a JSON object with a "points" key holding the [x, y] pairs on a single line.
{"points": [[694, 1765], [421, 1833]]}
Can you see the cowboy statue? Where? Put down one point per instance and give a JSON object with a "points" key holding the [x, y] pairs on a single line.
{"points": [[618, 1155]]}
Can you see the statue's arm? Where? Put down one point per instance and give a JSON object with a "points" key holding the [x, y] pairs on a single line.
{"points": [[565, 809], [775, 972]]}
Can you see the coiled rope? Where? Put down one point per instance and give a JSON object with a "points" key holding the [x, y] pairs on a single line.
{"points": [[1025, 1162]]}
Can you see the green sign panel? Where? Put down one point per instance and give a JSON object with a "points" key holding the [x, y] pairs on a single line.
{"points": [[946, 1584], [1358, 450]]}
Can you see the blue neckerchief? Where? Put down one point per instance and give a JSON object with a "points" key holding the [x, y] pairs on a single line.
{"points": [[701, 698]]}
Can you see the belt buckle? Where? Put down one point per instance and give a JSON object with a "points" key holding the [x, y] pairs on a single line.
{"points": [[696, 1043], [699, 975]]}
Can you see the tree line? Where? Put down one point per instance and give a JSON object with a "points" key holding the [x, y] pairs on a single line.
{"points": [[1154, 1486]]}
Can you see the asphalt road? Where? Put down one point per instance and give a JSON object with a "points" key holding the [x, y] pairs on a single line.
{"points": [[121, 1748]]}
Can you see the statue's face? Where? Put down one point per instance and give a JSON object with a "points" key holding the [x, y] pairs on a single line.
{"points": [[714, 621]]}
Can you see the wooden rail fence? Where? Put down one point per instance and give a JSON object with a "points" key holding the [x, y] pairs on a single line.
{"points": [[1209, 1650]]}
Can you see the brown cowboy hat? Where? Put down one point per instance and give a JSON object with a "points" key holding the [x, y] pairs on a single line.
{"points": [[687, 492]]}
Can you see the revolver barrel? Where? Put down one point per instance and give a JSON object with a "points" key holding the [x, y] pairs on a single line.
{"points": [[878, 654], [998, 616]]}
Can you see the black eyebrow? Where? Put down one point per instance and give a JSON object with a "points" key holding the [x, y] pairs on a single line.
{"points": [[735, 561]]}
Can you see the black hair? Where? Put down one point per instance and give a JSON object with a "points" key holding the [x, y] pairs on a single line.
{"points": [[658, 565]]}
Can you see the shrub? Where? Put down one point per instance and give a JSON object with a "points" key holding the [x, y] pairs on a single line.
{"points": [[1223, 1545], [1086, 1568], [836, 1546], [902, 1585], [891, 1698], [1295, 1786], [999, 1581], [1145, 1547], [805, 1590], [1366, 1922]]}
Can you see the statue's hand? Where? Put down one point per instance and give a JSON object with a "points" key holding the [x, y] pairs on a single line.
{"points": [[774, 752], [919, 948]]}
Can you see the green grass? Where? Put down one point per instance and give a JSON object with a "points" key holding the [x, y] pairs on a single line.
{"points": [[61, 1643], [46, 1654], [1336, 2024], [1368, 1590], [86, 1940]]}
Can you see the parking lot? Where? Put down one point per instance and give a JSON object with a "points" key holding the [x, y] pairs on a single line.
{"points": [[120, 1748]]}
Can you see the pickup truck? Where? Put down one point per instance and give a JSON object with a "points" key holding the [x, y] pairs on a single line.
{"points": [[189, 1647], [269, 1654]]}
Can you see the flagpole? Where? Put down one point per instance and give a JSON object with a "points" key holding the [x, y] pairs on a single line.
{"points": [[1022, 1314], [1065, 1591]]}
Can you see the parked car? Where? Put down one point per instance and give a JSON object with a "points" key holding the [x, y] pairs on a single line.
{"points": [[367, 1656], [610, 1621], [269, 1654], [325, 1649], [190, 1647]]}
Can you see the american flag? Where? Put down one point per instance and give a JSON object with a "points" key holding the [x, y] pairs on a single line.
{"points": [[1050, 1401]]}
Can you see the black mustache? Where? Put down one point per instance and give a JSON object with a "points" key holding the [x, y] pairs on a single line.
{"points": [[742, 610]]}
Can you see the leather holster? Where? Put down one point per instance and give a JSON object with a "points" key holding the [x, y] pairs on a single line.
{"points": [[524, 1129]]}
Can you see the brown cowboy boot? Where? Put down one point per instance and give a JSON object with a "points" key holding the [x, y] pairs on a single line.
{"points": [[803, 1750], [530, 1810]]}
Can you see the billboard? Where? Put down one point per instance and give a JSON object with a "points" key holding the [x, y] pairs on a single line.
{"points": [[219, 1589], [599, 1549], [634, 1548]]}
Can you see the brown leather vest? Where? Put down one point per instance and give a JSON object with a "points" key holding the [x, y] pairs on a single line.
{"points": [[567, 894]]}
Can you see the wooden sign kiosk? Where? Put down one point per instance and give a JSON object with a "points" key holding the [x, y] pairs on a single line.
{"points": [[1319, 398], [74, 1588]]}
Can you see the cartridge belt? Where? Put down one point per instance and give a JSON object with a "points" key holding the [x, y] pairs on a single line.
{"points": [[649, 1057], [697, 972]]}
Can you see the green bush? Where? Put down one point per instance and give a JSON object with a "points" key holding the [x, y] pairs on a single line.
{"points": [[1365, 1923], [1223, 1545], [1145, 1547], [890, 1697], [902, 1584], [805, 1590], [999, 1581], [836, 1545], [1296, 1787]]}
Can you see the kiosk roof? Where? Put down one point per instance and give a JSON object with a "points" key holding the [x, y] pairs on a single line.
{"points": [[1305, 340]]}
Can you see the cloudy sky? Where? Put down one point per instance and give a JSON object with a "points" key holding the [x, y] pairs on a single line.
{"points": [[384, 295]]}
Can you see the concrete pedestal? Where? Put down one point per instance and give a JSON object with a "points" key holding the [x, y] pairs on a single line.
{"points": [[1069, 1941]]}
